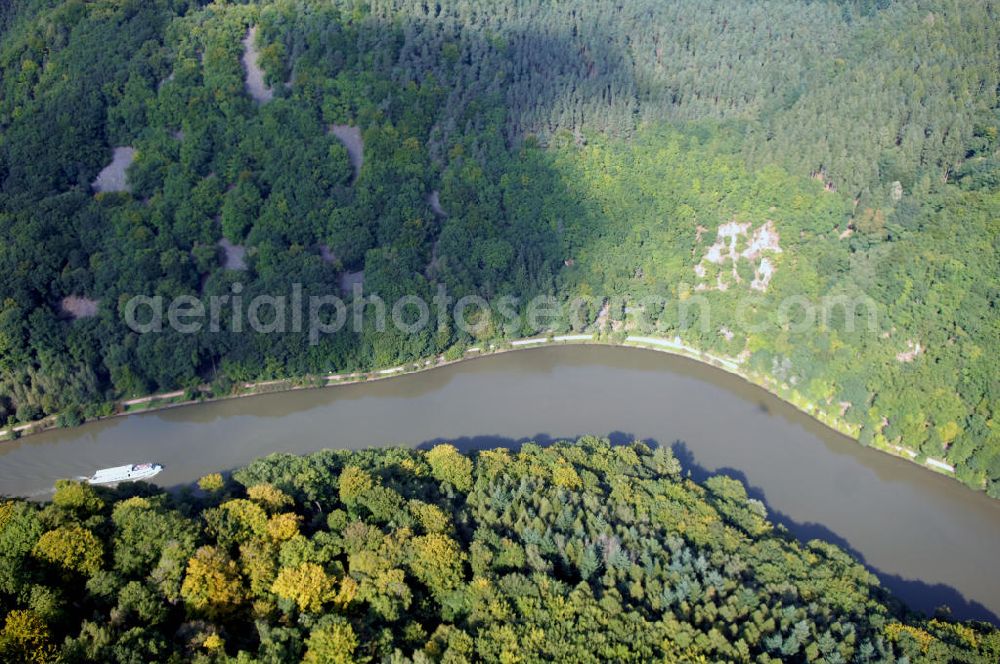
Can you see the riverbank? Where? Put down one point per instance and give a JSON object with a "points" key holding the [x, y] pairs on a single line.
{"points": [[675, 346], [902, 520]]}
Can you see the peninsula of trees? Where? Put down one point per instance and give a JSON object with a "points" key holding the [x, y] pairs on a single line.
{"points": [[575, 552]]}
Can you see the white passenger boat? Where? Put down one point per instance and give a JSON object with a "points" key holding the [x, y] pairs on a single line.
{"points": [[130, 473]]}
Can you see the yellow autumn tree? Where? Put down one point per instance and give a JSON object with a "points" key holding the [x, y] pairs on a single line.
{"points": [[450, 465], [354, 482], [564, 475], [348, 591], [72, 548], [213, 642], [26, 638], [894, 631], [282, 527], [307, 584], [212, 583], [7, 508], [211, 482], [270, 497]]}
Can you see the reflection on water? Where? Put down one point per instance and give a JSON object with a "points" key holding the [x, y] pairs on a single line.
{"points": [[906, 522]]}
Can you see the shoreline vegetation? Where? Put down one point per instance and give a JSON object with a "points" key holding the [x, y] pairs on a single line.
{"points": [[203, 393]]}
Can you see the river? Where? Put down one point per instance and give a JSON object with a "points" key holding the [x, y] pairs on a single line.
{"points": [[930, 540]]}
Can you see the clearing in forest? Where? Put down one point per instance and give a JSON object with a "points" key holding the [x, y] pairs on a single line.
{"points": [[726, 249], [79, 306], [348, 279], [350, 136], [255, 75], [112, 177], [235, 255], [434, 200]]}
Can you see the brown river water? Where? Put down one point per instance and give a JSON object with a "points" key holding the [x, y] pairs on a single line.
{"points": [[931, 540]]}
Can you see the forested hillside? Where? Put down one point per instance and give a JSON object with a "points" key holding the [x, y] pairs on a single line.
{"points": [[510, 148], [576, 552]]}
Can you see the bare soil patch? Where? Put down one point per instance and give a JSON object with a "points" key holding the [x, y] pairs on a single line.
{"points": [[348, 279], [79, 306], [350, 137], [327, 254], [236, 254], [255, 75], [434, 200], [730, 237], [112, 177]]}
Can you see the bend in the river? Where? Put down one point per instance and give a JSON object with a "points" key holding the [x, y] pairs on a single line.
{"points": [[929, 538]]}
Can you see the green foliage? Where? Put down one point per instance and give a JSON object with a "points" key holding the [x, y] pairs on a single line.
{"points": [[334, 643], [437, 561], [77, 496], [237, 521], [144, 531]]}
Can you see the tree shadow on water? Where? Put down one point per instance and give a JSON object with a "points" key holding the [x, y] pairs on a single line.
{"points": [[468, 444], [918, 595]]}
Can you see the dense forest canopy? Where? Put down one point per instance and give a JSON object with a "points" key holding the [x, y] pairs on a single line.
{"points": [[510, 148], [575, 552]]}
